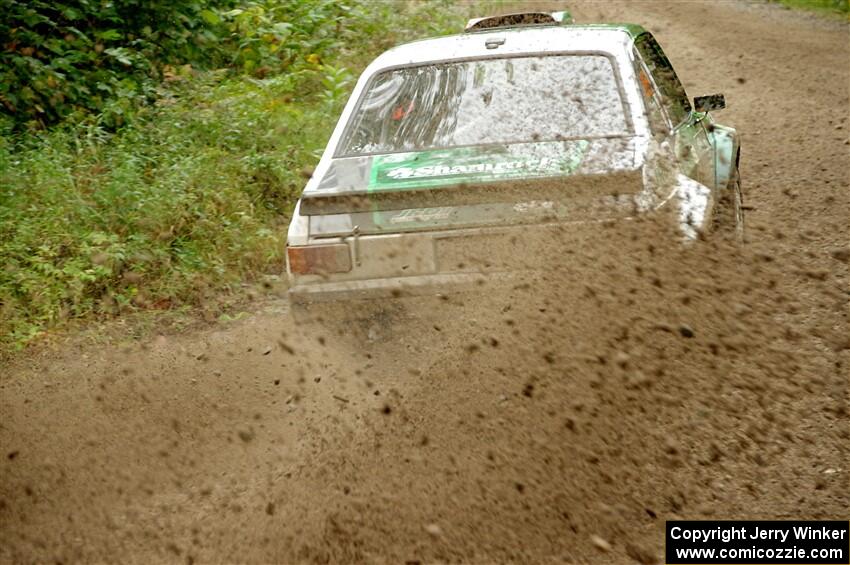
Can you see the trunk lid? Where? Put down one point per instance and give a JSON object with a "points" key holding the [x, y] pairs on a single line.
{"points": [[476, 186]]}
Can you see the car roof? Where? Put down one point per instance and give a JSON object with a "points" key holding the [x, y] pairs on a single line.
{"points": [[606, 38], [632, 29]]}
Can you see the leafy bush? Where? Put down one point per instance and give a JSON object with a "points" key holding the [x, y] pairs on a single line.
{"points": [[269, 35], [64, 57], [191, 195], [71, 58]]}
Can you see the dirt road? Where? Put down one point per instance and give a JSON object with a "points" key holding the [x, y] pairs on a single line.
{"points": [[641, 382]]}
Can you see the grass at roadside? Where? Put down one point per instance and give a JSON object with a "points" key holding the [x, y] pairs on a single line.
{"points": [[829, 7], [187, 200]]}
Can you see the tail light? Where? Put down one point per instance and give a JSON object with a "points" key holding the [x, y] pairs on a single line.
{"points": [[319, 259]]}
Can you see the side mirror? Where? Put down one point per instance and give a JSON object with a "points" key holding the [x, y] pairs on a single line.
{"points": [[708, 103]]}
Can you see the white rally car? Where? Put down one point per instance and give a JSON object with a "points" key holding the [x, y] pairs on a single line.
{"points": [[452, 151]]}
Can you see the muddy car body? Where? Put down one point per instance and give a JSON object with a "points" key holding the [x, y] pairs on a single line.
{"points": [[452, 152]]}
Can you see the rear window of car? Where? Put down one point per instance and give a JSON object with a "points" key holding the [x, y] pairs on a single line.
{"points": [[487, 101]]}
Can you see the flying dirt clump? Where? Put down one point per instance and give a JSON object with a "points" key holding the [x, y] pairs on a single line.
{"points": [[606, 410]]}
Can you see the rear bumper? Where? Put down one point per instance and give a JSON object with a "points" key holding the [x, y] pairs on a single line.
{"points": [[418, 285]]}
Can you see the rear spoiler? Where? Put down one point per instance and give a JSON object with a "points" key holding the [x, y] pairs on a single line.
{"points": [[519, 19], [564, 188]]}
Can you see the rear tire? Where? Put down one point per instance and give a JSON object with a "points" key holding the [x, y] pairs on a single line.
{"points": [[729, 211]]}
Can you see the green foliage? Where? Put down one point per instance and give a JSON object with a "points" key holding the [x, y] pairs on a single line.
{"points": [[70, 58], [191, 194], [268, 35], [60, 58], [336, 82], [837, 7]]}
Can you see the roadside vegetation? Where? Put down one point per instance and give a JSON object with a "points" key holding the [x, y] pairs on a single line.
{"points": [[830, 7], [150, 153]]}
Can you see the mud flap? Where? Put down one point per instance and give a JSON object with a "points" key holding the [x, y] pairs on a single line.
{"points": [[694, 199]]}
